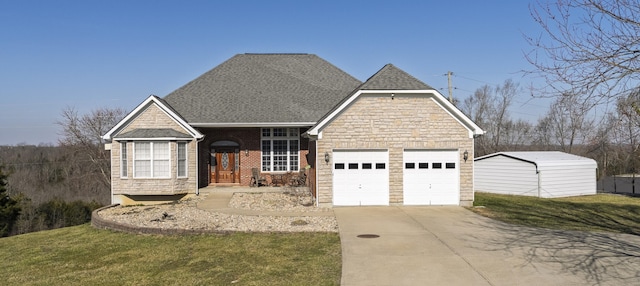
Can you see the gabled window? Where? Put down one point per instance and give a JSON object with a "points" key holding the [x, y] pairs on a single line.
{"points": [[151, 160], [182, 159], [280, 149], [123, 160]]}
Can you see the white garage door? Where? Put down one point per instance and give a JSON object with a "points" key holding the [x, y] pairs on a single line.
{"points": [[360, 178], [431, 177]]}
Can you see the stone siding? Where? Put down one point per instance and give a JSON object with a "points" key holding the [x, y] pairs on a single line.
{"points": [[152, 186], [405, 122], [152, 117]]}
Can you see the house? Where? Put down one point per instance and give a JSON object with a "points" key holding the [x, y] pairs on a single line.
{"points": [[390, 140], [543, 174]]}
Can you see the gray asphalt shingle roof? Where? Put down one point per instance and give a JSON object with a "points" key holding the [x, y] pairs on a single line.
{"points": [[388, 77], [153, 133], [262, 88], [393, 78]]}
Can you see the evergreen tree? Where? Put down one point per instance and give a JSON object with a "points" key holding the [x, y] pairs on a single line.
{"points": [[9, 209]]}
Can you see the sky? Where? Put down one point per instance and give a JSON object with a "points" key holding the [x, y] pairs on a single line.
{"points": [[89, 54]]}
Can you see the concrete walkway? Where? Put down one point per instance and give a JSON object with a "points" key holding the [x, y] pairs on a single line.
{"points": [[454, 246]]}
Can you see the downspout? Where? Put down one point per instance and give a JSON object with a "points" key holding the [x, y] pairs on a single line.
{"points": [[316, 176], [197, 166], [111, 169]]}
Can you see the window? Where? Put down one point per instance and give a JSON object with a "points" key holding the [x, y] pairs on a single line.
{"points": [[353, 166], [409, 165], [182, 159], [366, 166], [423, 165], [437, 165], [280, 149], [151, 160], [123, 160], [450, 165], [339, 166], [380, 165]]}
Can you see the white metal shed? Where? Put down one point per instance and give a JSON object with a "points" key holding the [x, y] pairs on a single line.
{"points": [[544, 174]]}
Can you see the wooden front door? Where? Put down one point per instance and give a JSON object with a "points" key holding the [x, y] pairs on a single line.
{"points": [[224, 170]]}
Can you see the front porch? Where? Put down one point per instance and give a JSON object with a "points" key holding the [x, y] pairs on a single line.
{"points": [[229, 156]]}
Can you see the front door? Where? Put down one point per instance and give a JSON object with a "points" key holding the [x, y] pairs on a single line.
{"points": [[223, 170]]}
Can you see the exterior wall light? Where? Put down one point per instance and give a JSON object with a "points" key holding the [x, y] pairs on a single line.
{"points": [[246, 152], [326, 157], [393, 95], [465, 155]]}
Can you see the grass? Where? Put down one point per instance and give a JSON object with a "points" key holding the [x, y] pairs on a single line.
{"points": [[82, 255], [602, 212]]}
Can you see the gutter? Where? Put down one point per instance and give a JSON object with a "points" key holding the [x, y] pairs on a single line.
{"points": [[254, 124]]}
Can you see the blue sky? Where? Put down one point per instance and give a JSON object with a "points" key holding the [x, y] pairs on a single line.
{"points": [[90, 54]]}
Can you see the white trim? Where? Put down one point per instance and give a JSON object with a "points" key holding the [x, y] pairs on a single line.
{"points": [[154, 139], [152, 99], [258, 124], [448, 106]]}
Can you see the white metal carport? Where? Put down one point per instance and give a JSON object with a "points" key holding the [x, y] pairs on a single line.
{"points": [[544, 174]]}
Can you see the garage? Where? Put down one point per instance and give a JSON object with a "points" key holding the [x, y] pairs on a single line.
{"points": [[360, 177], [543, 174], [431, 177]]}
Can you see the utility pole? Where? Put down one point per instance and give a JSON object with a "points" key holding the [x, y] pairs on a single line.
{"points": [[449, 74]]}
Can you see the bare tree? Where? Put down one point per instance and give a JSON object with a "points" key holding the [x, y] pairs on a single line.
{"points": [[588, 47], [82, 134], [518, 135], [489, 108], [628, 129], [479, 107], [504, 94], [566, 124]]}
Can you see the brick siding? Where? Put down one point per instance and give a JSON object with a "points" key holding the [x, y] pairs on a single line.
{"points": [[248, 139]]}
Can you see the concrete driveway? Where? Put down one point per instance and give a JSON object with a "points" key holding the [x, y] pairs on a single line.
{"points": [[454, 246]]}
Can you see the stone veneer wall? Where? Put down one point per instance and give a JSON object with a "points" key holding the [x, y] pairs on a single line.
{"points": [[152, 117], [405, 122]]}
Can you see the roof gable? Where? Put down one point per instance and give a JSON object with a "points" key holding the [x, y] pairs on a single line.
{"points": [[152, 100], [394, 81], [393, 78], [263, 88]]}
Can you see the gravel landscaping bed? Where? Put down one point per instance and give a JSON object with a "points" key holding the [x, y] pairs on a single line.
{"points": [[185, 215]]}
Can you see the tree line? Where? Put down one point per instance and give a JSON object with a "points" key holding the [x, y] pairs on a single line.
{"points": [[46, 186], [569, 125]]}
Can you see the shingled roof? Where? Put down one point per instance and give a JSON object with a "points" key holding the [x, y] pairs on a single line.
{"points": [[153, 133], [263, 88], [393, 78]]}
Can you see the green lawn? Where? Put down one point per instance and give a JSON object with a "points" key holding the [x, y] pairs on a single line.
{"points": [[83, 255], [602, 212]]}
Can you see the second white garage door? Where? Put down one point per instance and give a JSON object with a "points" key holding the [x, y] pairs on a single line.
{"points": [[431, 177], [360, 177]]}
